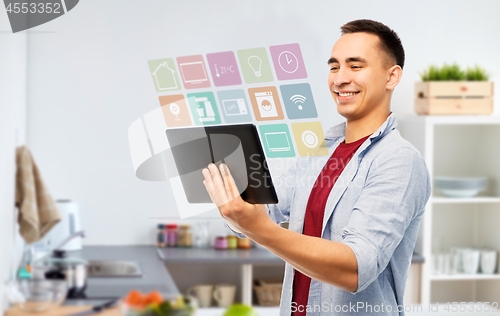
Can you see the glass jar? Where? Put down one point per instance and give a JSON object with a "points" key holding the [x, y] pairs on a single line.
{"points": [[160, 239], [220, 242], [171, 235], [244, 243], [232, 242], [185, 236], [201, 236]]}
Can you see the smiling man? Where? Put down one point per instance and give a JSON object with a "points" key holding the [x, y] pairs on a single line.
{"points": [[354, 216]]}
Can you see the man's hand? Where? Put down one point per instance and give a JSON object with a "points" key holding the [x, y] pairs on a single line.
{"points": [[241, 216]]}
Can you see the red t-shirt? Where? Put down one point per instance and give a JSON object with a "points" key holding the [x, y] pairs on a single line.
{"points": [[313, 221]]}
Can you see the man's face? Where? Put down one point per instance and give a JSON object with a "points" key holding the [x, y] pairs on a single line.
{"points": [[358, 75]]}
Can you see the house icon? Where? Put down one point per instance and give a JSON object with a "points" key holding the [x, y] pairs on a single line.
{"points": [[165, 77]]}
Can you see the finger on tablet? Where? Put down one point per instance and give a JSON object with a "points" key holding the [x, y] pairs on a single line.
{"points": [[209, 185], [218, 185], [210, 193], [231, 187]]}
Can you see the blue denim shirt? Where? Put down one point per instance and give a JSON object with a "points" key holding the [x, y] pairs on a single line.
{"points": [[375, 207]]}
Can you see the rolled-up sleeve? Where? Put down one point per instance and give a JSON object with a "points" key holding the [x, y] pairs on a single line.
{"points": [[395, 192], [238, 234]]}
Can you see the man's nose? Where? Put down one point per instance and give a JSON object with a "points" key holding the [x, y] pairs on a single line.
{"points": [[342, 77]]}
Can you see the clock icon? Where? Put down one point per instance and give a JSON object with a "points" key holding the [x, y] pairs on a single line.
{"points": [[288, 62]]}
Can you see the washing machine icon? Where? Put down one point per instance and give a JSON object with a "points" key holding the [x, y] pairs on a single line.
{"points": [[265, 103]]}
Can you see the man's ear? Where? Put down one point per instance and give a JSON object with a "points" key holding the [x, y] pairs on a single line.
{"points": [[394, 76]]}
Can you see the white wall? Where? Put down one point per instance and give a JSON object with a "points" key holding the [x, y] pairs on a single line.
{"points": [[88, 80], [12, 134]]}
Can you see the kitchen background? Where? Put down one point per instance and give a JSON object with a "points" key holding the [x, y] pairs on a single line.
{"points": [[71, 88]]}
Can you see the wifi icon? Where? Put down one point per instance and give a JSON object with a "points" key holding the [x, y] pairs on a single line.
{"points": [[298, 100]]}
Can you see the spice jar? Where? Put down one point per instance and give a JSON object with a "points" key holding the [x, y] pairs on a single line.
{"points": [[244, 243], [171, 235], [185, 236], [160, 239], [220, 242], [232, 242]]}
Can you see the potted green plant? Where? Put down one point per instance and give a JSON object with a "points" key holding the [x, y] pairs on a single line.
{"points": [[450, 90]]}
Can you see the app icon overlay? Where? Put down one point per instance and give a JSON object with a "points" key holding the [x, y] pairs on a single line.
{"points": [[193, 72], [310, 139], [299, 101], [255, 65], [266, 103], [234, 106], [288, 62], [175, 110], [224, 69], [204, 108], [277, 141], [164, 74]]}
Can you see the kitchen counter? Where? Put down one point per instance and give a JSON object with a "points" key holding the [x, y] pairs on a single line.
{"points": [[155, 276], [254, 256]]}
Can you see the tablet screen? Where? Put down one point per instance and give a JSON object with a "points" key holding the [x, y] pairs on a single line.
{"points": [[238, 146]]}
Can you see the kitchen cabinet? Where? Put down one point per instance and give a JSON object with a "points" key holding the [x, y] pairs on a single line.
{"points": [[460, 146], [244, 259]]}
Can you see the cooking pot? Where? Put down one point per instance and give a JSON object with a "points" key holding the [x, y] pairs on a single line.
{"points": [[58, 266]]}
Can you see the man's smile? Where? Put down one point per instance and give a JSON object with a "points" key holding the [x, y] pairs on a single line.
{"points": [[345, 95]]}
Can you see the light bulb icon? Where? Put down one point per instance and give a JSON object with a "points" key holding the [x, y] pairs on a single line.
{"points": [[255, 63]]}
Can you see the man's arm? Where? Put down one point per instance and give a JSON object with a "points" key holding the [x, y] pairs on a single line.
{"points": [[324, 260], [321, 259]]}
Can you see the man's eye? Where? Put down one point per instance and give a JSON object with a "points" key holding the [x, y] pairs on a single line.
{"points": [[333, 68], [356, 67]]}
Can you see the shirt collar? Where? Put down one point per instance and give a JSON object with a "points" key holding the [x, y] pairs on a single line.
{"points": [[339, 130]]}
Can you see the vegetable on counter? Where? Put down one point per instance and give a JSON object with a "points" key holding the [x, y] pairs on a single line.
{"points": [[153, 304], [240, 310]]}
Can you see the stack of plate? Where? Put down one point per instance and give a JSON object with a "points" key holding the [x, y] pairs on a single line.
{"points": [[460, 187]]}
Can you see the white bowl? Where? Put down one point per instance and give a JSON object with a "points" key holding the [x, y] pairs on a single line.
{"points": [[34, 295], [460, 187]]}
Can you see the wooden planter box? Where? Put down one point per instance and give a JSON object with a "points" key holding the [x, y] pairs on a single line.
{"points": [[454, 97]]}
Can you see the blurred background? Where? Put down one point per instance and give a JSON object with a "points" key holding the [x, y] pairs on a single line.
{"points": [[71, 88]]}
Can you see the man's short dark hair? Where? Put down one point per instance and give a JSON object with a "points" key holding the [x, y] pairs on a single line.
{"points": [[389, 40]]}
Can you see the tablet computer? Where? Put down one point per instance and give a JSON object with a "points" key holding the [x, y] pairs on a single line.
{"points": [[238, 146]]}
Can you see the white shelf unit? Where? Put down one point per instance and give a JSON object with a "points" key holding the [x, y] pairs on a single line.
{"points": [[458, 146], [473, 200], [462, 277]]}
